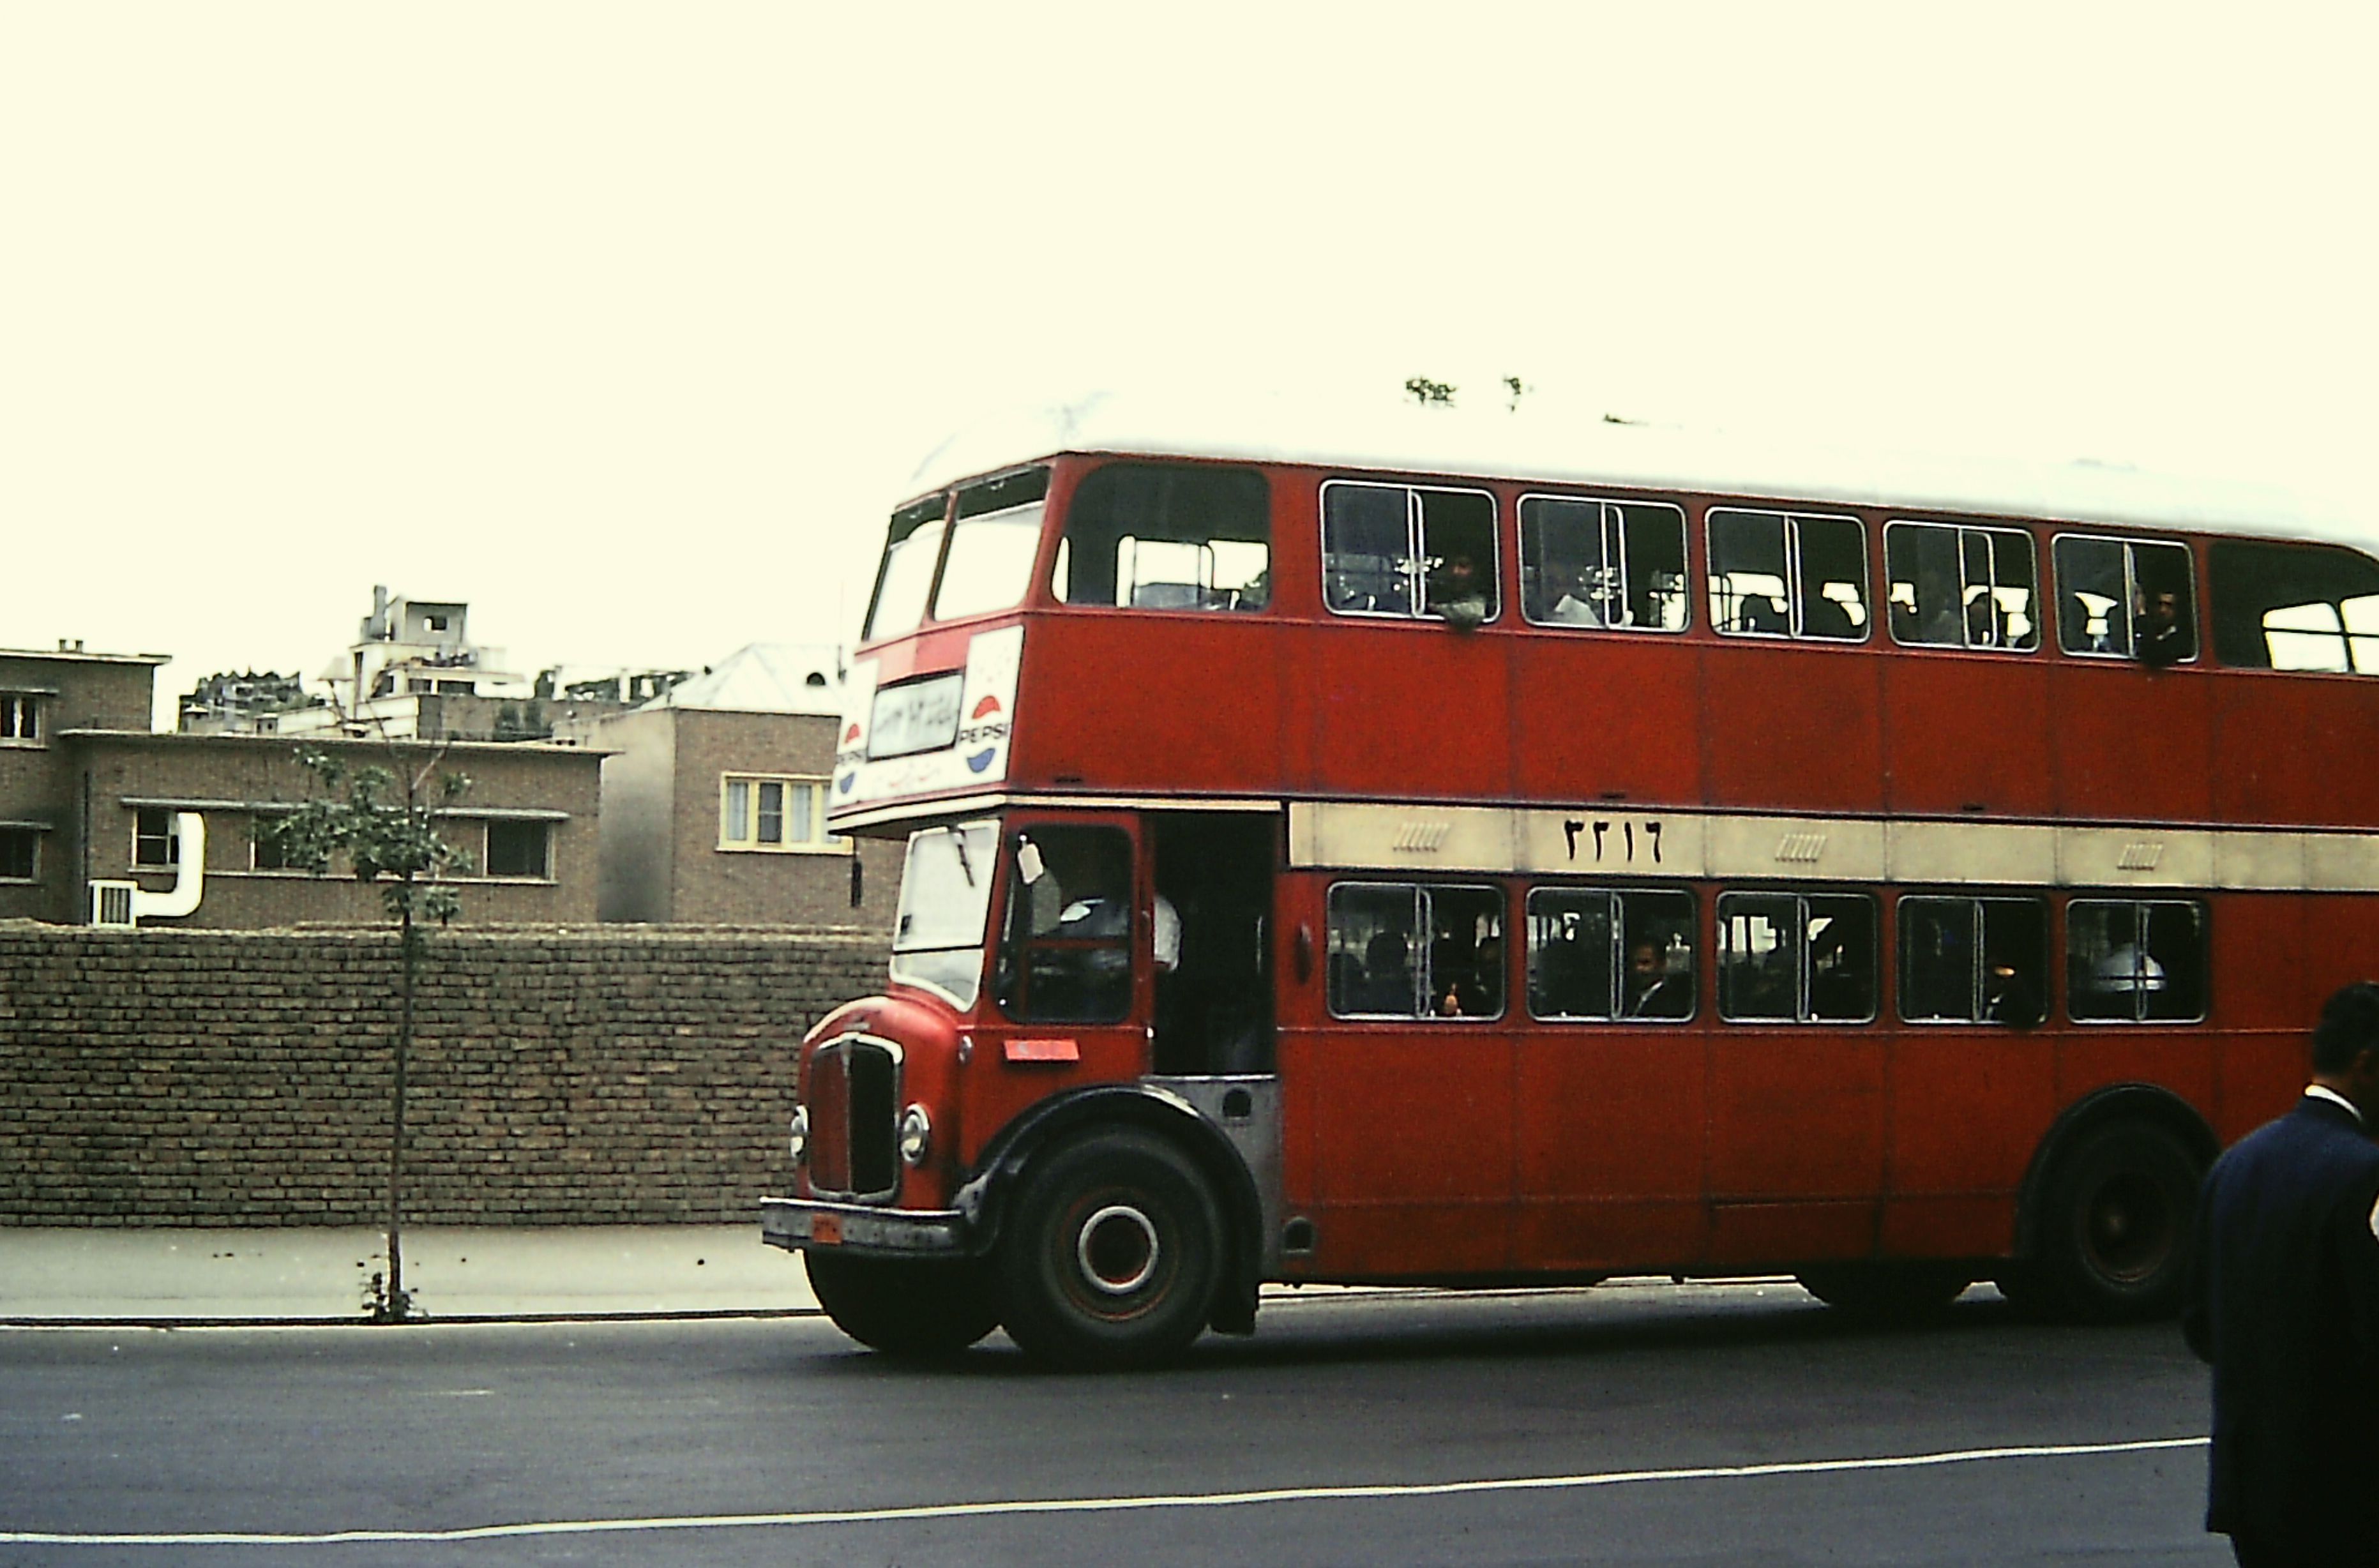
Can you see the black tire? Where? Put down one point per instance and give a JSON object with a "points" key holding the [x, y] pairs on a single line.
{"points": [[902, 1306], [1886, 1292], [2114, 1232], [1110, 1257]]}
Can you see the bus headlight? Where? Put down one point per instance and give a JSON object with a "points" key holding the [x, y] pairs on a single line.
{"points": [[801, 1137], [916, 1135]]}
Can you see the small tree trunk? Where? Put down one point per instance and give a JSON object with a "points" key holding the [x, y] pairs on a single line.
{"points": [[398, 1305]]}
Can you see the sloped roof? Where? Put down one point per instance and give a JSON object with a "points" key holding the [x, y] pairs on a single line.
{"points": [[765, 678]]}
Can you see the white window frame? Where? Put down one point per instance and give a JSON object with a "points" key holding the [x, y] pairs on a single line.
{"points": [[741, 837], [24, 720]]}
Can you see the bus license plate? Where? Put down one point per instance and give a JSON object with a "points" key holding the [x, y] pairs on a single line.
{"points": [[825, 1230]]}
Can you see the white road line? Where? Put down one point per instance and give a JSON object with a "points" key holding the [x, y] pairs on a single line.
{"points": [[1109, 1504]]}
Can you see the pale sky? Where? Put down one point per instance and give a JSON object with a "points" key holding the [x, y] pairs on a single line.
{"points": [[629, 324]]}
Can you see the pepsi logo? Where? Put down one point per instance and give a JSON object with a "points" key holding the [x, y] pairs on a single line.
{"points": [[990, 704], [851, 734]]}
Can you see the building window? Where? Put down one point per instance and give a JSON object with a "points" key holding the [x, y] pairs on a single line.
{"points": [[154, 842], [20, 718], [266, 851], [518, 849], [757, 813], [20, 853]]}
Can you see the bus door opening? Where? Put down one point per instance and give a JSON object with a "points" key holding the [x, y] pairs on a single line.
{"points": [[1213, 911]]}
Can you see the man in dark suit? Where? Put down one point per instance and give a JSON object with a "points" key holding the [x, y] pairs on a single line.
{"points": [[2284, 1302]]}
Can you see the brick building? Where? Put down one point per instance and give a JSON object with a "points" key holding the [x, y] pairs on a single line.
{"points": [[41, 852], [714, 801], [87, 792]]}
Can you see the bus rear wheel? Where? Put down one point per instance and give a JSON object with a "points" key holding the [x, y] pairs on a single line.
{"points": [[903, 1307], [1111, 1257], [2115, 1227], [1894, 1291]]}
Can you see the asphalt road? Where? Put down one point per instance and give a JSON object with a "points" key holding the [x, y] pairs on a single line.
{"points": [[1638, 1425]]}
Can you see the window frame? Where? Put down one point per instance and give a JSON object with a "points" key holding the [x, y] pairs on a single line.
{"points": [[1603, 523], [1013, 941], [823, 843], [1423, 970], [488, 845], [1793, 596], [1803, 1016], [30, 837], [2031, 552], [1221, 474], [170, 838], [2131, 542], [1622, 940], [988, 496], [2204, 911], [24, 720], [1978, 958], [1416, 577]]}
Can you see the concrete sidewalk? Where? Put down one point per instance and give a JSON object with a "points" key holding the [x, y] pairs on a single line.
{"points": [[62, 1275]]}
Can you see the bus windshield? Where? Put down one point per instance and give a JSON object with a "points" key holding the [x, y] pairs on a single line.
{"points": [[945, 897]]}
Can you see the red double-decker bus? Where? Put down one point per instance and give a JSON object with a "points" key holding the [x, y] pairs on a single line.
{"points": [[1348, 867]]}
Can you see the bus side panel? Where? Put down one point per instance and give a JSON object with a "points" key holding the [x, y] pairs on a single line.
{"points": [[2180, 1059], [1792, 728], [1604, 716], [1419, 703], [1110, 715], [2131, 744], [1968, 1103], [2263, 1001], [2291, 749], [1796, 1139], [1965, 731], [1611, 1147]]}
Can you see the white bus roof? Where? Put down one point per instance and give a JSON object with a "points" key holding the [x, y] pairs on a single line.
{"points": [[1555, 448]]}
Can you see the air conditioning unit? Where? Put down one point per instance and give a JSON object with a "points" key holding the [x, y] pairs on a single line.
{"points": [[110, 904]]}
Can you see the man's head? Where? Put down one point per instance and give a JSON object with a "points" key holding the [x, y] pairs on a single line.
{"points": [[2346, 1046], [2160, 607], [1460, 573], [1645, 963]]}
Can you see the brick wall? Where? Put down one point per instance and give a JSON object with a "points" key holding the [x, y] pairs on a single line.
{"points": [[559, 1074]]}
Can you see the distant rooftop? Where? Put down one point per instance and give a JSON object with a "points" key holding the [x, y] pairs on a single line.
{"points": [[765, 678], [76, 656]]}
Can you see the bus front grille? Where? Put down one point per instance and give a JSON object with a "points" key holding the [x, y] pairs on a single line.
{"points": [[854, 1103]]}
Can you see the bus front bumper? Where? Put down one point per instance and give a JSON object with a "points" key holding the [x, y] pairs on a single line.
{"points": [[802, 1223]]}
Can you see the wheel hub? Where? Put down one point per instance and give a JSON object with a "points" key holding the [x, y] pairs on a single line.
{"points": [[1118, 1250]]}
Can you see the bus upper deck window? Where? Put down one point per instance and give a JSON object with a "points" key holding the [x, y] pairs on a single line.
{"points": [[2295, 607], [912, 549], [1408, 550], [1167, 536], [1605, 563], [1783, 575], [992, 541], [1959, 587], [2125, 599]]}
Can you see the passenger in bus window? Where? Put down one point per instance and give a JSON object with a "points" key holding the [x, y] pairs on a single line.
{"points": [[1457, 589], [1652, 991], [1575, 606], [2009, 997], [2160, 634]]}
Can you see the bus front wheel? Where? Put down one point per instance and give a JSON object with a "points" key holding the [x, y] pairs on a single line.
{"points": [[2115, 1227], [902, 1306], [1111, 1257]]}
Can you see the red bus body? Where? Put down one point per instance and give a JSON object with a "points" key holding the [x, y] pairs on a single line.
{"points": [[1527, 770]]}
